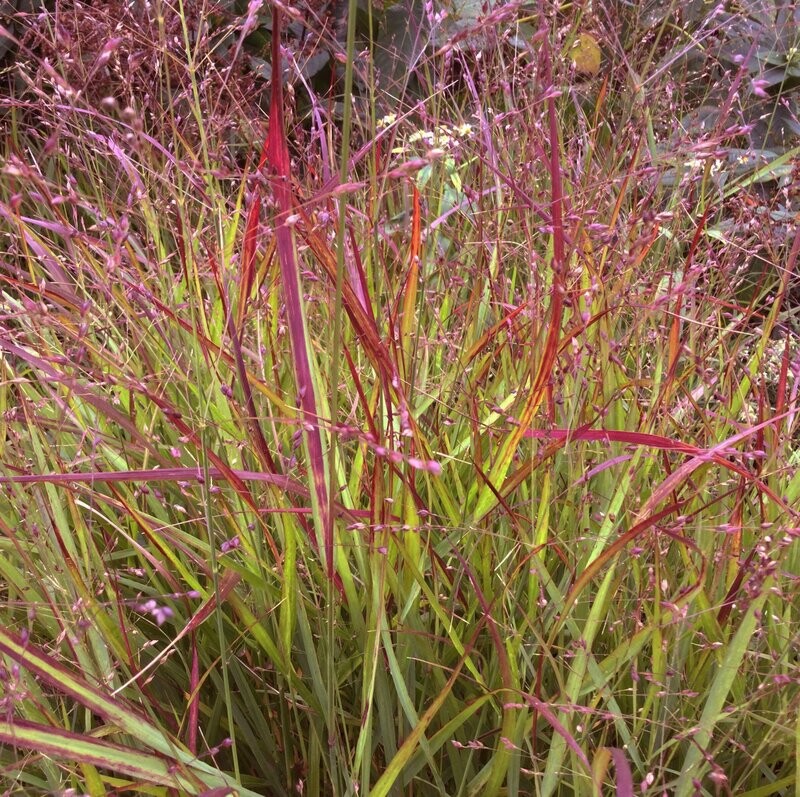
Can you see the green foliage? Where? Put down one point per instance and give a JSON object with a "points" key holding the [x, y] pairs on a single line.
{"points": [[455, 452]]}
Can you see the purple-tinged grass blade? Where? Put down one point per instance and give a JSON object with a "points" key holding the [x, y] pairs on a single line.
{"points": [[115, 712], [277, 161], [624, 774], [78, 748]]}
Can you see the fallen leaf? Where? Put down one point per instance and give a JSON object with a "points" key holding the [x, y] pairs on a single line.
{"points": [[586, 55]]}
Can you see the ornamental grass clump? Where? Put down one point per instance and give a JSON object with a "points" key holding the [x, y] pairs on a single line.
{"points": [[418, 430]]}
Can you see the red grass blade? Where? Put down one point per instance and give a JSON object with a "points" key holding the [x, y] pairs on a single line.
{"points": [[409, 308]]}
